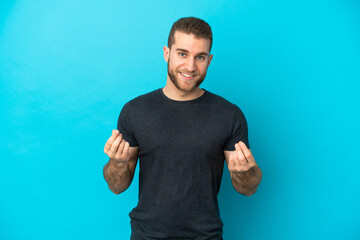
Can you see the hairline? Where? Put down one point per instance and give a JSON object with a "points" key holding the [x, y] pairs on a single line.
{"points": [[195, 36]]}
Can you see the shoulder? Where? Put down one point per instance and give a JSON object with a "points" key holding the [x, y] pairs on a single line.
{"points": [[222, 103], [143, 100], [145, 97]]}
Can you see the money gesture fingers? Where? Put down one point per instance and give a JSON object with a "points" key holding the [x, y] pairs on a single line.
{"points": [[241, 160]]}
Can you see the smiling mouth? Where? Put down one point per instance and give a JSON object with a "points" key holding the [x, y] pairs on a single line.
{"points": [[187, 76]]}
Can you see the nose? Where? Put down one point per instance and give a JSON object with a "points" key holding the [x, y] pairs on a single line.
{"points": [[190, 65]]}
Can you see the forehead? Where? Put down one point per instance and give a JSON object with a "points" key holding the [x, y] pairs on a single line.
{"points": [[190, 42]]}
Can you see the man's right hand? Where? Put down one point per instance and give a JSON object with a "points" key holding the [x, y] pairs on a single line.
{"points": [[117, 148]]}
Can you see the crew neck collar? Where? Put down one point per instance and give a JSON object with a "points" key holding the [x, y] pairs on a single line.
{"points": [[167, 99]]}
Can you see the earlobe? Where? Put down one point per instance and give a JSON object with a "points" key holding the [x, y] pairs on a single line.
{"points": [[166, 53]]}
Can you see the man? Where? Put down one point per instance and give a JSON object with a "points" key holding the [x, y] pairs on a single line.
{"points": [[181, 135]]}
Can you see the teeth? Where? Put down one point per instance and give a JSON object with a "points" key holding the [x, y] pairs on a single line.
{"points": [[186, 75]]}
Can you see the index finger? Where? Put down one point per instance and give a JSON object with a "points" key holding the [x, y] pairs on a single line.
{"points": [[112, 138], [248, 155]]}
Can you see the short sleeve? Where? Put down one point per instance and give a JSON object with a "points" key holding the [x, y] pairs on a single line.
{"points": [[124, 126], [239, 131]]}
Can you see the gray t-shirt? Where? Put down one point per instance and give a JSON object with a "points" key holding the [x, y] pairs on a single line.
{"points": [[181, 158]]}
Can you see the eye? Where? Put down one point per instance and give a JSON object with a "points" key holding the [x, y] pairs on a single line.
{"points": [[200, 57], [181, 54]]}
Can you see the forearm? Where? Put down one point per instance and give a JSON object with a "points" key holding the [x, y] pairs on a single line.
{"points": [[117, 175], [246, 182]]}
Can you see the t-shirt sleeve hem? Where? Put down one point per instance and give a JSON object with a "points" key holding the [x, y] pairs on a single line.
{"points": [[231, 146]]}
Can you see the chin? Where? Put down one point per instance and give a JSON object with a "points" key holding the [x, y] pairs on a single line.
{"points": [[187, 88]]}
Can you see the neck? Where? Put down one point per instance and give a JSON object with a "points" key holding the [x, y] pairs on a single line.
{"points": [[172, 92]]}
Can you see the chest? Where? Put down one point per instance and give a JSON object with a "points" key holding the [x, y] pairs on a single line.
{"points": [[181, 129]]}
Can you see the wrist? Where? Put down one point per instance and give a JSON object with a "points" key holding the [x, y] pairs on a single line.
{"points": [[117, 161]]}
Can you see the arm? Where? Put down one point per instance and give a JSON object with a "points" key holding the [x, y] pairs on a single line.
{"points": [[244, 172], [119, 171]]}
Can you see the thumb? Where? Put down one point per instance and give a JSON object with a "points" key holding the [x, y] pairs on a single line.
{"points": [[231, 164]]}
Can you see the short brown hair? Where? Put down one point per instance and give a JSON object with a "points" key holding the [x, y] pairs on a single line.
{"points": [[191, 25]]}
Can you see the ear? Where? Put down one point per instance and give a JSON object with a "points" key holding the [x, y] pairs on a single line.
{"points": [[210, 57], [166, 53]]}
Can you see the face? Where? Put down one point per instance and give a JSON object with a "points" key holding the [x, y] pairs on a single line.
{"points": [[188, 60]]}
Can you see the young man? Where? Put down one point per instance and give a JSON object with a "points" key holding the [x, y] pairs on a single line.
{"points": [[181, 135]]}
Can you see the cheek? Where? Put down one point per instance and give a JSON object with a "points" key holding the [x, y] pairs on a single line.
{"points": [[175, 63], [203, 68]]}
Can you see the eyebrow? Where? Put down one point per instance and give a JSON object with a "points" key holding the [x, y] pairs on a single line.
{"points": [[184, 50]]}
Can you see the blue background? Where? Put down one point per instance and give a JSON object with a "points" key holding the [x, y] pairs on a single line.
{"points": [[67, 67]]}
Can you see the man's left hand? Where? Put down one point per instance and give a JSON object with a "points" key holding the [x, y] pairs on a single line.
{"points": [[241, 160]]}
